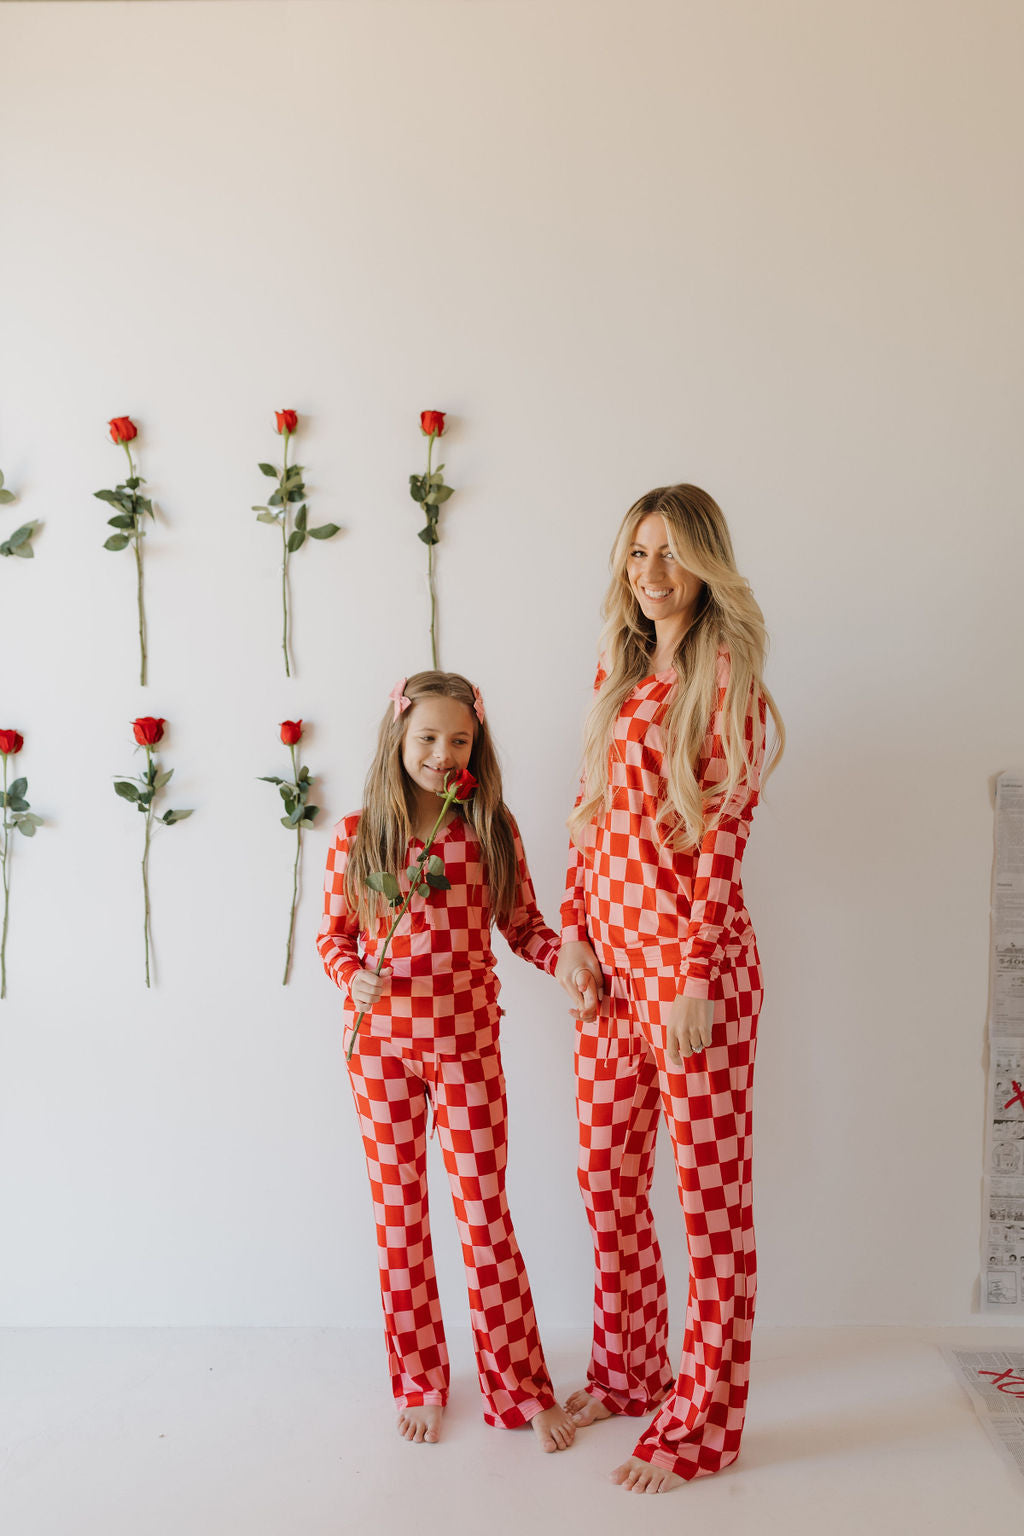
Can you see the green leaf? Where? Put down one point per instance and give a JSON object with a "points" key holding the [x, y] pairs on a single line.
{"points": [[385, 882], [16, 803], [31, 816], [325, 531], [121, 520], [116, 497], [437, 478], [423, 890], [3, 799], [122, 787], [311, 812], [296, 493], [295, 816], [116, 541], [296, 539], [133, 482], [268, 469], [28, 828], [441, 494], [439, 882], [266, 517], [170, 817], [429, 534], [269, 778], [163, 778], [435, 864], [1, 477], [417, 490], [304, 775], [275, 500], [25, 551], [5, 497], [18, 788], [300, 518]]}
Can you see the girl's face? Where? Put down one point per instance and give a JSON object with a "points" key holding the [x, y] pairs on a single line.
{"points": [[438, 737], [663, 588]]}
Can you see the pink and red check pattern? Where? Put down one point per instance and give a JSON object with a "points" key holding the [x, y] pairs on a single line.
{"points": [[433, 1039], [662, 924]]}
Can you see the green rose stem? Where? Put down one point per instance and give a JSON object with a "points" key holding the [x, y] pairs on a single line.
{"points": [[430, 568], [450, 796], [7, 888], [295, 875], [284, 577], [150, 776], [137, 541]]}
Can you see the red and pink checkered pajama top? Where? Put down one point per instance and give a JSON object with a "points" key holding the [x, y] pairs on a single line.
{"points": [[628, 893], [443, 986]]}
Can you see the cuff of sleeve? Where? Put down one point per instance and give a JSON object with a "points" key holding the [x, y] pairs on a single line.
{"points": [[575, 933], [549, 956], [695, 986], [344, 973]]}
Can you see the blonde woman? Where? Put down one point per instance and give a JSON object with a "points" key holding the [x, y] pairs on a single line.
{"points": [[659, 958]]}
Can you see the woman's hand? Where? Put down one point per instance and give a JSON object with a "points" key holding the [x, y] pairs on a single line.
{"points": [[688, 1027], [366, 987], [579, 974]]}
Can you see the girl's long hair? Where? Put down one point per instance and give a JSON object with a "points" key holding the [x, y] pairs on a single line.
{"points": [[385, 825], [727, 619]]}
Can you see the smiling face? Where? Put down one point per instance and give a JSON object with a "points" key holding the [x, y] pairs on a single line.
{"points": [[665, 590], [438, 737]]}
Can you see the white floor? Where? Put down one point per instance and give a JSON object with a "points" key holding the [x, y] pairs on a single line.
{"points": [[288, 1432]]}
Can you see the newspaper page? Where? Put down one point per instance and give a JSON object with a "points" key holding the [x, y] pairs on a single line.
{"points": [[1002, 1281], [994, 1381]]}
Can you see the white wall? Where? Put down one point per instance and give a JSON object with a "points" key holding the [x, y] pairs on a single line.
{"points": [[773, 248]]}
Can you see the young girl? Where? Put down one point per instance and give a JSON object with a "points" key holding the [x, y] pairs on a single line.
{"points": [[431, 1036], [654, 925]]}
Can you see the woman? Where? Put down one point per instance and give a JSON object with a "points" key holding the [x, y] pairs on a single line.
{"points": [[659, 958]]}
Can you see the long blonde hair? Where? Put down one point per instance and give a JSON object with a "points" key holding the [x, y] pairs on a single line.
{"points": [[386, 822], [727, 619]]}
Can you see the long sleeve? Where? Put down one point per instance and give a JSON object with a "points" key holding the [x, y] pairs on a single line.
{"points": [[717, 891], [526, 931], [573, 914], [338, 938]]}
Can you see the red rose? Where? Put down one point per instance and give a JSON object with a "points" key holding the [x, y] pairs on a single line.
{"points": [[461, 781], [122, 429], [147, 730], [287, 421], [291, 732], [432, 423], [11, 742]]}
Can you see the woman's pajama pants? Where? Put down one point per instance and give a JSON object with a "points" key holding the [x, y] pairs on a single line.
{"points": [[392, 1081], [623, 1079]]}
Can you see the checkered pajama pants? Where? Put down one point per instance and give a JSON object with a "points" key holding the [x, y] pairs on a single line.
{"points": [[391, 1080], [623, 1080]]}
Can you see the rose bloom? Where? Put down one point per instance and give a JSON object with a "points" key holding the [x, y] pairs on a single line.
{"points": [[432, 423], [122, 429], [287, 421], [291, 732], [11, 742], [462, 781], [147, 730]]}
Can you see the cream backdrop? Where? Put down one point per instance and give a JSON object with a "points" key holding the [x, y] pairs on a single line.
{"points": [[770, 246]]}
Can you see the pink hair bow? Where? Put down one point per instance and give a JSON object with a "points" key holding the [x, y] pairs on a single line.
{"points": [[397, 695], [478, 704]]}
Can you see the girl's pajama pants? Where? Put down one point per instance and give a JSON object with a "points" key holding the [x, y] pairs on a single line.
{"points": [[392, 1081], [624, 1079]]}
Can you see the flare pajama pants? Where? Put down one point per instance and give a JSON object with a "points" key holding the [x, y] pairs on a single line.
{"points": [[392, 1081], [624, 1081]]}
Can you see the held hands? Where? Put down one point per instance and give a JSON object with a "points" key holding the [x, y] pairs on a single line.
{"points": [[579, 974], [688, 1027], [366, 987]]}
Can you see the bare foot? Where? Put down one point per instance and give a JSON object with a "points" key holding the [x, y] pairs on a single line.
{"points": [[554, 1429], [638, 1476], [421, 1425], [586, 1409]]}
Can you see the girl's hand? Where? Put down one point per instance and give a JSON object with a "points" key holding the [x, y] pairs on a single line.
{"points": [[688, 1027], [367, 987], [579, 974]]}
